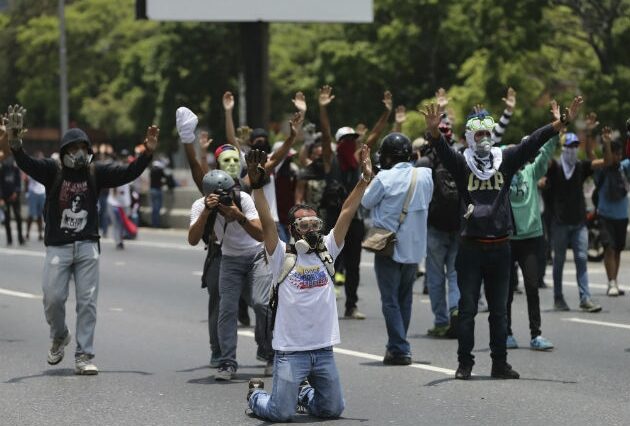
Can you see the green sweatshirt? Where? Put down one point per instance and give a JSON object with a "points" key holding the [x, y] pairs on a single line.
{"points": [[524, 193]]}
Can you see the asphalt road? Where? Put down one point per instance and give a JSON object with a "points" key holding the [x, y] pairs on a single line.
{"points": [[152, 351]]}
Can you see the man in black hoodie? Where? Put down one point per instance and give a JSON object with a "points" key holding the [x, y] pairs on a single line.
{"points": [[483, 174], [71, 235]]}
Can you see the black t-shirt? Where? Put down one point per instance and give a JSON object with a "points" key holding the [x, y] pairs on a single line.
{"points": [[567, 196], [71, 214], [492, 213]]}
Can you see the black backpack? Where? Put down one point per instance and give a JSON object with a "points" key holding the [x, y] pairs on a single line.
{"points": [[617, 184], [444, 207]]}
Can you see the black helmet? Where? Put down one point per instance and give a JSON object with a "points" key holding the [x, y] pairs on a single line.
{"points": [[395, 148], [216, 180]]}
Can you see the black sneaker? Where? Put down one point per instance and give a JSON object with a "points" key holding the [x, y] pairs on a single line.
{"points": [[559, 304], [454, 320], [301, 405], [225, 373], [391, 359], [503, 370], [463, 372], [253, 385]]}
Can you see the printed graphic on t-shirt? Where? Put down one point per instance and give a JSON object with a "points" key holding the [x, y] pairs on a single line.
{"points": [[495, 183], [519, 187], [73, 205], [308, 277]]}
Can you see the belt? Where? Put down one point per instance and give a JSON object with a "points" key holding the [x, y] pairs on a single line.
{"points": [[497, 240]]}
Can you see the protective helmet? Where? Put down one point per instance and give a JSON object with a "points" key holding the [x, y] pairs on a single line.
{"points": [[75, 135], [216, 181], [395, 148]]}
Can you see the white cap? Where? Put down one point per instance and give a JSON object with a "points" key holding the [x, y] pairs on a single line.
{"points": [[345, 131], [419, 143]]}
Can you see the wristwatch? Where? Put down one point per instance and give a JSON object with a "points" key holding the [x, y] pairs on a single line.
{"points": [[242, 220]]}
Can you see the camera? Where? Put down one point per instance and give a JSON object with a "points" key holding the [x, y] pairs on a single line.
{"points": [[224, 197]]}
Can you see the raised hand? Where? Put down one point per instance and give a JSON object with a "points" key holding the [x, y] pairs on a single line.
{"points": [[401, 114], [14, 122], [151, 138], [204, 140], [432, 114], [591, 121], [510, 99], [243, 133], [256, 160], [366, 162], [607, 134], [387, 100], [441, 98], [228, 101], [555, 109], [295, 124], [300, 102], [325, 96], [361, 129], [478, 108], [571, 112]]}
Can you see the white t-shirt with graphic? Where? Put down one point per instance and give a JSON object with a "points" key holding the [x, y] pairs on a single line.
{"points": [[306, 318], [236, 242]]}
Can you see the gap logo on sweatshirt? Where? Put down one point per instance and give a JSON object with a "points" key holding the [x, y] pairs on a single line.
{"points": [[495, 183]]}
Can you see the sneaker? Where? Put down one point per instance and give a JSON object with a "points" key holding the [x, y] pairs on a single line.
{"points": [[439, 331], [302, 407], [83, 366], [510, 343], [542, 284], [120, 246], [225, 373], [539, 343], [391, 359], [503, 370], [589, 306], [613, 289], [55, 354], [621, 292], [340, 278], [254, 384], [269, 368], [559, 304], [215, 359], [463, 372], [354, 314]]}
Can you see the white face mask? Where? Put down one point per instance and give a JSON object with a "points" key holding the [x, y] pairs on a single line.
{"points": [[483, 147], [78, 160]]}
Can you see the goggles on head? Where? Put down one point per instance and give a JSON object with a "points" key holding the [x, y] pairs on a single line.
{"points": [[309, 223], [480, 124]]}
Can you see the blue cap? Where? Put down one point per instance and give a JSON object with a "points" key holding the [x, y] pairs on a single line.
{"points": [[571, 139]]}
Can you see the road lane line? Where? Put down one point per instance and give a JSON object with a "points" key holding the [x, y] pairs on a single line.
{"points": [[594, 285], [23, 295], [602, 323], [17, 252], [373, 357]]}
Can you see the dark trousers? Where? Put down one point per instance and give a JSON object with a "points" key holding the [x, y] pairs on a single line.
{"points": [[526, 254], [490, 263], [15, 206], [351, 261]]}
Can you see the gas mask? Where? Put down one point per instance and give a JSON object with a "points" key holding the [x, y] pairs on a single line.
{"points": [[309, 229], [230, 163], [484, 145], [80, 159]]}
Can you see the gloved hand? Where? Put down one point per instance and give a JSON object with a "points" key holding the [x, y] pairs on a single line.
{"points": [[186, 122], [14, 122]]}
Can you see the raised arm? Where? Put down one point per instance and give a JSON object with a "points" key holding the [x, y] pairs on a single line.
{"points": [[325, 98], [452, 160], [353, 201], [228, 107], [591, 124], [400, 118], [111, 176], [382, 121], [256, 172], [544, 156], [195, 231], [499, 128]]}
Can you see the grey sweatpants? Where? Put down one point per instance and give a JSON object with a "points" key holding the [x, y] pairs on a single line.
{"points": [[251, 275], [80, 260]]}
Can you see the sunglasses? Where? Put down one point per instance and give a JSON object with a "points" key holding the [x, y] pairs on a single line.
{"points": [[306, 224], [477, 124]]}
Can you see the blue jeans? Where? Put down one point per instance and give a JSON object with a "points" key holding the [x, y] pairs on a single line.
{"points": [[395, 283], [490, 263], [441, 254], [156, 206], [323, 398], [561, 235]]}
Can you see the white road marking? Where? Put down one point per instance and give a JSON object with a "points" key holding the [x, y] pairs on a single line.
{"points": [[592, 285], [197, 273], [17, 252], [116, 309], [602, 323], [120, 263], [373, 357], [21, 294]]}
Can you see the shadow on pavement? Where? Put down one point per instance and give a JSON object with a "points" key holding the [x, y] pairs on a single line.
{"points": [[380, 364], [69, 372], [207, 367], [489, 378], [240, 379]]}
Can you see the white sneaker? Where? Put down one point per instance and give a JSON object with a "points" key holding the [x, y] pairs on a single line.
{"points": [[83, 366], [613, 289], [55, 354]]}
